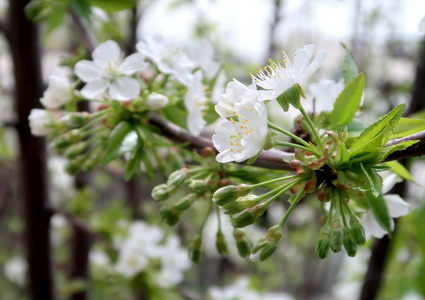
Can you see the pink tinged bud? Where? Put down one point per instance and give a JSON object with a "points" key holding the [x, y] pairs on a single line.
{"points": [[326, 153], [208, 152], [332, 136], [300, 155], [295, 163], [310, 186], [317, 165]]}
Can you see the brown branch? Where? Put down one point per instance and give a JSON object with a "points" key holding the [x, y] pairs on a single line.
{"points": [[5, 27], [24, 45], [81, 30]]}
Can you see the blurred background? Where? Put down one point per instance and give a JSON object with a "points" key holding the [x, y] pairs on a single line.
{"points": [[384, 39]]}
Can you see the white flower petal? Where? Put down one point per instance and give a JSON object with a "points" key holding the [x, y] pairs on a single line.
{"points": [[301, 59], [95, 88], [326, 91], [315, 64], [397, 207], [389, 181], [372, 227], [107, 51], [87, 70], [133, 63], [422, 25], [124, 88]]}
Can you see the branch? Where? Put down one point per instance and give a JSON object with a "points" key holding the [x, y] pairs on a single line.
{"points": [[271, 159], [85, 36], [417, 149], [5, 27]]}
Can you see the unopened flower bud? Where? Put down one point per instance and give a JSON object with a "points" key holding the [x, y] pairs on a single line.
{"points": [[324, 194], [195, 249], [310, 186], [177, 178], [248, 216], [357, 230], [221, 243], [336, 236], [90, 164], [161, 192], [156, 101], [240, 204], [349, 242], [208, 152], [230, 193], [317, 165], [75, 119], [266, 246], [322, 243], [242, 242], [300, 155], [295, 163], [74, 166], [170, 215], [75, 150], [68, 139], [198, 186], [186, 202]]}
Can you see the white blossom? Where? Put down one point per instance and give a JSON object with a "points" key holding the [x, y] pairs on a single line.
{"points": [[235, 90], [276, 78], [218, 88], [195, 102], [243, 137], [99, 259], [168, 57], [59, 91], [397, 207], [15, 270], [108, 71], [174, 261], [40, 122], [326, 91], [156, 101], [239, 290], [203, 55], [131, 260]]}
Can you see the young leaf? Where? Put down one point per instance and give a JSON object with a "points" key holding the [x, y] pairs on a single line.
{"points": [[379, 209], [400, 170], [374, 178], [113, 5], [114, 141], [349, 67], [372, 146], [348, 102], [133, 165], [407, 126], [399, 147], [386, 123]]}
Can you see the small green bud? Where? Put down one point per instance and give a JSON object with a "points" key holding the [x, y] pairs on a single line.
{"points": [[170, 215], [74, 166], [336, 236], [198, 187], [357, 230], [195, 249], [177, 178], [248, 216], [75, 150], [349, 242], [161, 192], [322, 243], [221, 243], [240, 204], [242, 242], [90, 164], [67, 139], [77, 119], [186, 202], [265, 246], [230, 193], [267, 251]]}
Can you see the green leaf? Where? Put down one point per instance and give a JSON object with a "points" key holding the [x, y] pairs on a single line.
{"points": [[133, 166], [55, 18], [383, 126], [82, 8], [379, 209], [375, 180], [114, 141], [399, 169], [290, 96], [407, 126], [113, 5], [373, 146], [399, 147], [349, 67], [348, 102]]}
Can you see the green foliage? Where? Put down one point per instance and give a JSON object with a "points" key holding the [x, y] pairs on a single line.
{"points": [[407, 126], [115, 141], [348, 102], [349, 67]]}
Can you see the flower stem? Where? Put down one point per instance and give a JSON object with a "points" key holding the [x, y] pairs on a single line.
{"points": [[313, 129], [287, 144], [283, 190], [291, 135], [274, 180], [297, 198]]}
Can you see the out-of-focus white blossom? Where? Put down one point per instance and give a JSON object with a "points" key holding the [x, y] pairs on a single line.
{"points": [[218, 88], [276, 78], [422, 25], [326, 91], [203, 56], [168, 57], [108, 71], [397, 207], [239, 290], [59, 91], [131, 259], [156, 101], [15, 270], [242, 138], [99, 259], [40, 121], [195, 101]]}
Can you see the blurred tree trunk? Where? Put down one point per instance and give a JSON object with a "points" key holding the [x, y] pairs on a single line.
{"points": [[25, 51]]}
